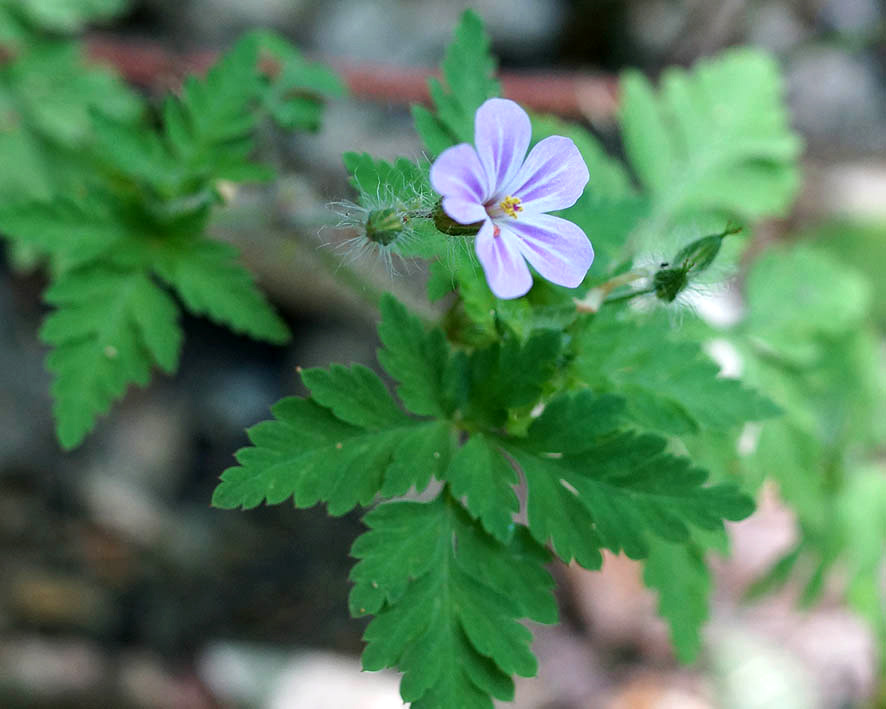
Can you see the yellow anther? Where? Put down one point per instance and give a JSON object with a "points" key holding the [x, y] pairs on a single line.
{"points": [[510, 206]]}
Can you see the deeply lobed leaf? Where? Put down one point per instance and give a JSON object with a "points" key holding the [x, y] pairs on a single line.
{"points": [[380, 182], [342, 447], [447, 615], [210, 281], [680, 575], [669, 384], [468, 70], [616, 489], [417, 359], [295, 90], [108, 329], [716, 138]]}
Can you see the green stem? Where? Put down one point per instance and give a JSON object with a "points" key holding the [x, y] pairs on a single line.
{"points": [[628, 296]]}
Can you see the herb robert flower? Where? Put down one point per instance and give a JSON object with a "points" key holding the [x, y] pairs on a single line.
{"points": [[495, 184]]}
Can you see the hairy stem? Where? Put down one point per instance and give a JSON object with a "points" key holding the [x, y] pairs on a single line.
{"points": [[597, 297]]}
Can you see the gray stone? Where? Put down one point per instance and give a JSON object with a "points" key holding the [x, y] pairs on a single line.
{"points": [[851, 16], [239, 673], [48, 598], [775, 26], [324, 680], [125, 508], [43, 669], [145, 681], [147, 442], [233, 398], [837, 100]]}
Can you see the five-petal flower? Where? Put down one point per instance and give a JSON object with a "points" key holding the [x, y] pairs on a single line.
{"points": [[492, 183]]}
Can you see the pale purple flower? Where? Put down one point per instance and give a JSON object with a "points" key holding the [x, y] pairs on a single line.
{"points": [[492, 183]]}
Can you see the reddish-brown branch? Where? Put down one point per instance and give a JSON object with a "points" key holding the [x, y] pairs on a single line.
{"points": [[570, 95]]}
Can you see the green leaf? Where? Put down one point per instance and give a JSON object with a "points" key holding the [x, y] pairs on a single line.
{"points": [[25, 173], [683, 581], [616, 490], [796, 294], [669, 385], [774, 579], [858, 243], [608, 224], [510, 374], [415, 358], [107, 330], [861, 519], [46, 94], [132, 149], [210, 281], [209, 130], [76, 233], [479, 474], [447, 612], [69, 15], [311, 455], [296, 93], [434, 134], [423, 452], [467, 69], [402, 184], [572, 423], [307, 453], [713, 139], [355, 395], [646, 135], [54, 91], [342, 447], [793, 459]]}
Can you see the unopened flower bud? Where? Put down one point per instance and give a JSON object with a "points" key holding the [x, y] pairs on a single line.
{"points": [[701, 253], [670, 280], [384, 226], [668, 283]]}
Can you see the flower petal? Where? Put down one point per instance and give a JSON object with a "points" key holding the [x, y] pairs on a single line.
{"points": [[506, 271], [458, 173], [501, 133], [464, 211], [558, 249], [553, 176]]}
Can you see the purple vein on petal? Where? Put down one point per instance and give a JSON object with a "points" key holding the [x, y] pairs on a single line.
{"points": [[458, 173], [502, 132], [553, 176], [506, 271], [464, 211], [558, 249]]}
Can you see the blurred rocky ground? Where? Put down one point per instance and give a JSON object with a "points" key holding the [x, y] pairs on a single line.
{"points": [[121, 587]]}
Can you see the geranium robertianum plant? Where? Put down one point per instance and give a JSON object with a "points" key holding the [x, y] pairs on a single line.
{"points": [[541, 417]]}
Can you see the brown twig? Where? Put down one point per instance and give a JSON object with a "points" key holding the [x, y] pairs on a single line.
{"points": [[570, 95]]}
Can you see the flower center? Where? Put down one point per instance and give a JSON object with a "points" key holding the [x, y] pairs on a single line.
{"points": [[510, 206]]}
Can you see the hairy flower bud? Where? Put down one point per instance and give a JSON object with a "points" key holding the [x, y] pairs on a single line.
{"points": [[384, 226], [668, 283], [671, 279]]}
